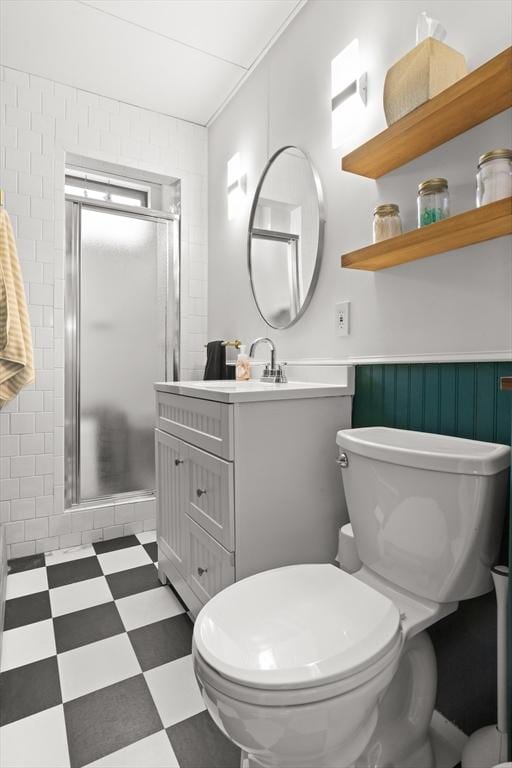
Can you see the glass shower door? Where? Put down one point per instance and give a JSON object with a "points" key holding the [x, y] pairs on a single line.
{"points": [[121, 339]]}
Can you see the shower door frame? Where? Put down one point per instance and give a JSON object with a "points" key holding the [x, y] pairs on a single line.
{"points": [[72, 311]]}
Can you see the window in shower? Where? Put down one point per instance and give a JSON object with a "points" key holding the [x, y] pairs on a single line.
{"points": [[122, 316], [89, 189]]}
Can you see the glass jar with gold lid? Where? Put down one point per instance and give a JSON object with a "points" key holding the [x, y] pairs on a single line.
{"points": [[494, 176], [433, 201], [386, 222]]}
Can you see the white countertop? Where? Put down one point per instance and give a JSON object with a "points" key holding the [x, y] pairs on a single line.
{"points": [[230, 391]]}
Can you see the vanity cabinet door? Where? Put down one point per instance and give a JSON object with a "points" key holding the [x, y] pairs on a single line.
{"points": [[170, 470], [209, 496], [210, 567]]}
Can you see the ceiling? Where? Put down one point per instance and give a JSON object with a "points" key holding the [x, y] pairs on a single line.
{"points": [[178, 57]]}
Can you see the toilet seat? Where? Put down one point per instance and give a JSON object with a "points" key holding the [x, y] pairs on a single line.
{"points": [[368, 678], [298, 627]]}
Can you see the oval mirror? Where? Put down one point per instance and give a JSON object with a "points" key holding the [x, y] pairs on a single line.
{"points": [[285, 237]]}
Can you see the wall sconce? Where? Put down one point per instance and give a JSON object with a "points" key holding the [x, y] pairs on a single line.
{"points": [[237, 186], [349, 89]]}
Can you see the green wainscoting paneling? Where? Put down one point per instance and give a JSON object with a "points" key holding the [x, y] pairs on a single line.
{"points": [[461, 399]]}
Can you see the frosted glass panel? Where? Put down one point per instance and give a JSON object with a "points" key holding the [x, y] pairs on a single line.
{"points": [[121, 350]]}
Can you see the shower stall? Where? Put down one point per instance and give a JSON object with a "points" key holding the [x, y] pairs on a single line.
{"points": [[121, 331]]}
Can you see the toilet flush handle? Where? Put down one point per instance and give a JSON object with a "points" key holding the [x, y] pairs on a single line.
{"points": [[342, 460]]}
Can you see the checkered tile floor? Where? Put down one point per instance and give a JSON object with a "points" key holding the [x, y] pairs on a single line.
{"points": [[96, 667]]}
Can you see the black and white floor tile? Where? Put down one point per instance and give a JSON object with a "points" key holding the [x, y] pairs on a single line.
{"points": [[96, 667]]}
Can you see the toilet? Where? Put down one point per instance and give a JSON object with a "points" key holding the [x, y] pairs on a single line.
{"points": [[308, 665]]}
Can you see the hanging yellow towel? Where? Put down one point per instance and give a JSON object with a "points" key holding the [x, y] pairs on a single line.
{"points": [[16, 366]]}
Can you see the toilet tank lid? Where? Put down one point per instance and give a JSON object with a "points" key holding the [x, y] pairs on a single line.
{"points": [[423, 450]]}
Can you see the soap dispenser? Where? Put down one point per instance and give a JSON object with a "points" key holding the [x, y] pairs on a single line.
{"points": [[243, 365]]}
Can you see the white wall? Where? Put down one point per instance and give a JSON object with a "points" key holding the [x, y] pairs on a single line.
{"points": [[457, 303], [39, 122]]}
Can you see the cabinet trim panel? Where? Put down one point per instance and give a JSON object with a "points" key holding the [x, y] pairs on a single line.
{"points": [[170, 468], [204, 423], [211, 567], [209, 495]]}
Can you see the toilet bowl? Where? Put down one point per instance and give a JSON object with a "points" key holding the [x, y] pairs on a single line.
{"points": [[293, 664], [307, 665], [283, 656]]}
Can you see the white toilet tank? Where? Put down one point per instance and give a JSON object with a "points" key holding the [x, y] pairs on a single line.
{"points": [[427, 510]]}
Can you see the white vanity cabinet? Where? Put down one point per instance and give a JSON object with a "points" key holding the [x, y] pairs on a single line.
{"points": [[246, 480]]}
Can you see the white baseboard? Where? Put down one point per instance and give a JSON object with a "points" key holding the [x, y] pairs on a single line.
{"points": [[3, 582]]}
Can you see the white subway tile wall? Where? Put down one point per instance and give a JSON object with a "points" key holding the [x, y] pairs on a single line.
{"points": [[39, 122]]}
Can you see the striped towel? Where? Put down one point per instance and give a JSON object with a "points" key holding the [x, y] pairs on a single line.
{"points": [[16, 367]]}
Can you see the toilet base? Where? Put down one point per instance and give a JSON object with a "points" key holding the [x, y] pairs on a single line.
{"points": [[401, 737], [422, 758]]}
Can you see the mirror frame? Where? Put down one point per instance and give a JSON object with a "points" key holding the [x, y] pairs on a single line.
{"points": [[320, 246]]}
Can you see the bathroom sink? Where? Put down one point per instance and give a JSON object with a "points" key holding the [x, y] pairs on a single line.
{"points": [[229, 384], [230, 391]]}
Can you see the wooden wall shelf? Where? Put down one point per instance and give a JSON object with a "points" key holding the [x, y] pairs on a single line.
{"points": [[475, 226], [480, 95]]}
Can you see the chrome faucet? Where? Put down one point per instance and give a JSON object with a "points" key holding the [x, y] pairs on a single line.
{"points": [[273, 372]]}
